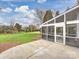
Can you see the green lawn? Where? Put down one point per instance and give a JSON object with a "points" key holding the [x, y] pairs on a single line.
{"points": [[22, 37]]}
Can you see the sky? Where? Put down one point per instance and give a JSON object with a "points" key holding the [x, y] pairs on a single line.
{"points": [[23, 11]]}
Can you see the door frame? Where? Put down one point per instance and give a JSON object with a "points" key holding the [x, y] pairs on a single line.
{"points": [[64, 31]]}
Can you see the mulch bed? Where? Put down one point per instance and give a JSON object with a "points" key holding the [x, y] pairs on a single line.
{"points": [[5, 46]]}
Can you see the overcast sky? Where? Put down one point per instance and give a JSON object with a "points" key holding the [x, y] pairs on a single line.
{"points": [[23, 11]]}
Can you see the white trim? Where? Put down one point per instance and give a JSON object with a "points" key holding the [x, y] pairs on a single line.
{"points": [[61, 14], [59, 24], [48, 25], [56, 24], [73, 22]]}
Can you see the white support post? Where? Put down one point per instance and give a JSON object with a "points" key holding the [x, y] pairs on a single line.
{"points": [[78, 24], [47, 33], [55, 31], [41, 33], [64, 30]]}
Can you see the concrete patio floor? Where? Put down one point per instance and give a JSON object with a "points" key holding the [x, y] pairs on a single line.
{"points": [[41, 49]]}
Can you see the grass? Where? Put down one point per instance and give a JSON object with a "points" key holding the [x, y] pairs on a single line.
{"points": [[22, 37]]}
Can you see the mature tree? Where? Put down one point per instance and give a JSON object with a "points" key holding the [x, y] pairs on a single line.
{"points": [[27, 29], [77, 2], [57, 13], [40, 14], [32, 28], [1, 29], [67, 8], [18, 26], [48, 16], [5, 29]]}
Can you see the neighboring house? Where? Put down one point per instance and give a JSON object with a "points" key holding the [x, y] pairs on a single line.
{"points": [[63, 28]]}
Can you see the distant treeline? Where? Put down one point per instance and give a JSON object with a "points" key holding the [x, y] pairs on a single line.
{"points": [[17, 28]]}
